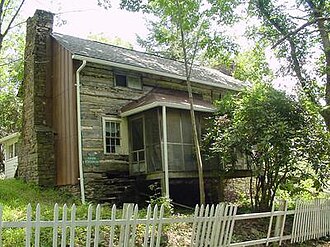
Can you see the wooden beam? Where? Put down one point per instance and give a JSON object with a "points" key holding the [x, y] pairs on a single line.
{"points": [[166, 174]]}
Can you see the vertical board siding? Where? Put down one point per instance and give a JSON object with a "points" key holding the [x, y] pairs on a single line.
{"points": [[212, 225], [65, 117], [11, 167]]}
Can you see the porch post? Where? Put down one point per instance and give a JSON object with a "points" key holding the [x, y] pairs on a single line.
{"points": [[165, 165]]}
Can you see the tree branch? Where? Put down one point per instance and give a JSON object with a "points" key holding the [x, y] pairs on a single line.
{"points": [[1, 11], [298, 30], [13, 18]]}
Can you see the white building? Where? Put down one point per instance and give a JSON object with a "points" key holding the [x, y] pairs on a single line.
{"points": [[9, 147]]}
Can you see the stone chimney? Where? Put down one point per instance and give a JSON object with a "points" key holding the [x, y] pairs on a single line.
{"points": [[36, 157]]}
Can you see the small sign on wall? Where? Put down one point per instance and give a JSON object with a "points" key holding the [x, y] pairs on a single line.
{"points": [[92, 159]]}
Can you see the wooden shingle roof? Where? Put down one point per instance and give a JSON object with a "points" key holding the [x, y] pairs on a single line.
{"points": [[146, 62]]}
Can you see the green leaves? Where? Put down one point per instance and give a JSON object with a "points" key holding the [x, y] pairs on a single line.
{"points": [[201, 21], [252, 66], [298, 31], [275, 133], [11, 77]]}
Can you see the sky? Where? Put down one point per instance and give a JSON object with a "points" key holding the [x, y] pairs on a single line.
{"points": [[84, 17]]}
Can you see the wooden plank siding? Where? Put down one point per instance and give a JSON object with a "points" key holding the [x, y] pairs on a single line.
{"points": [[64, 117], [106, 176], [100, 98]]}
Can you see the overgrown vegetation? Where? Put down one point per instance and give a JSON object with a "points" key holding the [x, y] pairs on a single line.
{"points": [[15, 195], [283, 141]]}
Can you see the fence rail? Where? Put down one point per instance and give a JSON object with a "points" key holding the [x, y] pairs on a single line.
{"points": [[211, 225]]}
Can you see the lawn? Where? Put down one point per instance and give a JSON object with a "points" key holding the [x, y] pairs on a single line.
{"points": [[18, 194], [15, 195]]}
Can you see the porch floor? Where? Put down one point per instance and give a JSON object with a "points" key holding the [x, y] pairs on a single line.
{"points": [[194, 174]]}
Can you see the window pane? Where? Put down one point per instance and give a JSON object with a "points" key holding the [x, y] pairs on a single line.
{"points": [[112, 141], [117, 129], [113, 129], [134, 82], [107, 128], [11, 151], [121, 80]]}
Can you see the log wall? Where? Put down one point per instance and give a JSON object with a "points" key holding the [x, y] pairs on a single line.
{"points": [[107, 175]]}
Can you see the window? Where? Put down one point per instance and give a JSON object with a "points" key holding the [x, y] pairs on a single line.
{"points": [[121, 80], [111, 135], [128, 81], [11, 151]]}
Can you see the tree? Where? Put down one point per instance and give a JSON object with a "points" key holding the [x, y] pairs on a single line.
{"points": [[299, 32], [186, 19], [279, 138], [186, 25], [11, 76], [9, 10], [251, 65]]}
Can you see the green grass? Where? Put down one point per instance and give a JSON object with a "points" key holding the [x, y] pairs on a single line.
{"points": [[15, 195]]}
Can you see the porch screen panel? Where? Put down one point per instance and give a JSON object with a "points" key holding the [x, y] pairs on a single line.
{"points": [[180, 142], [175, 157], [186, 128], [173, 126], [138, 151], [189, 157], [137, 133], [153, 150]]}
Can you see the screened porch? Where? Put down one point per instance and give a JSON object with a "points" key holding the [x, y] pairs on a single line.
{"points": [[164, 114]]}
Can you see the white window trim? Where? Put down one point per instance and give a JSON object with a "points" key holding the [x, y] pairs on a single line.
{"points": [[111, 119]]}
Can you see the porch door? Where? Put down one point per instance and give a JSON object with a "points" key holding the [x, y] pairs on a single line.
{"points": [[137, 145]]}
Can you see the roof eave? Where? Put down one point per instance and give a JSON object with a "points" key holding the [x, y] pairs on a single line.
{"points": [[9, 137], [150, 71], [167, 104]]}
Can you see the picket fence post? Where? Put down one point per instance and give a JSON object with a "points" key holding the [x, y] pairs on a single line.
{"points": [[212, 225]]}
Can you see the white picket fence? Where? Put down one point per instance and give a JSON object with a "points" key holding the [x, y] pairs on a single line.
{"points": [[212, 225]]}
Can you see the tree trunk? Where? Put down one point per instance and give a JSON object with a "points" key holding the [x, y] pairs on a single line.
{"points": [[197, 147], [188, 68]]}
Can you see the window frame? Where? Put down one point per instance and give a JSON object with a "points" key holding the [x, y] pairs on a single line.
{"points": [[116, 120], [128, 76], [10, 151]]}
